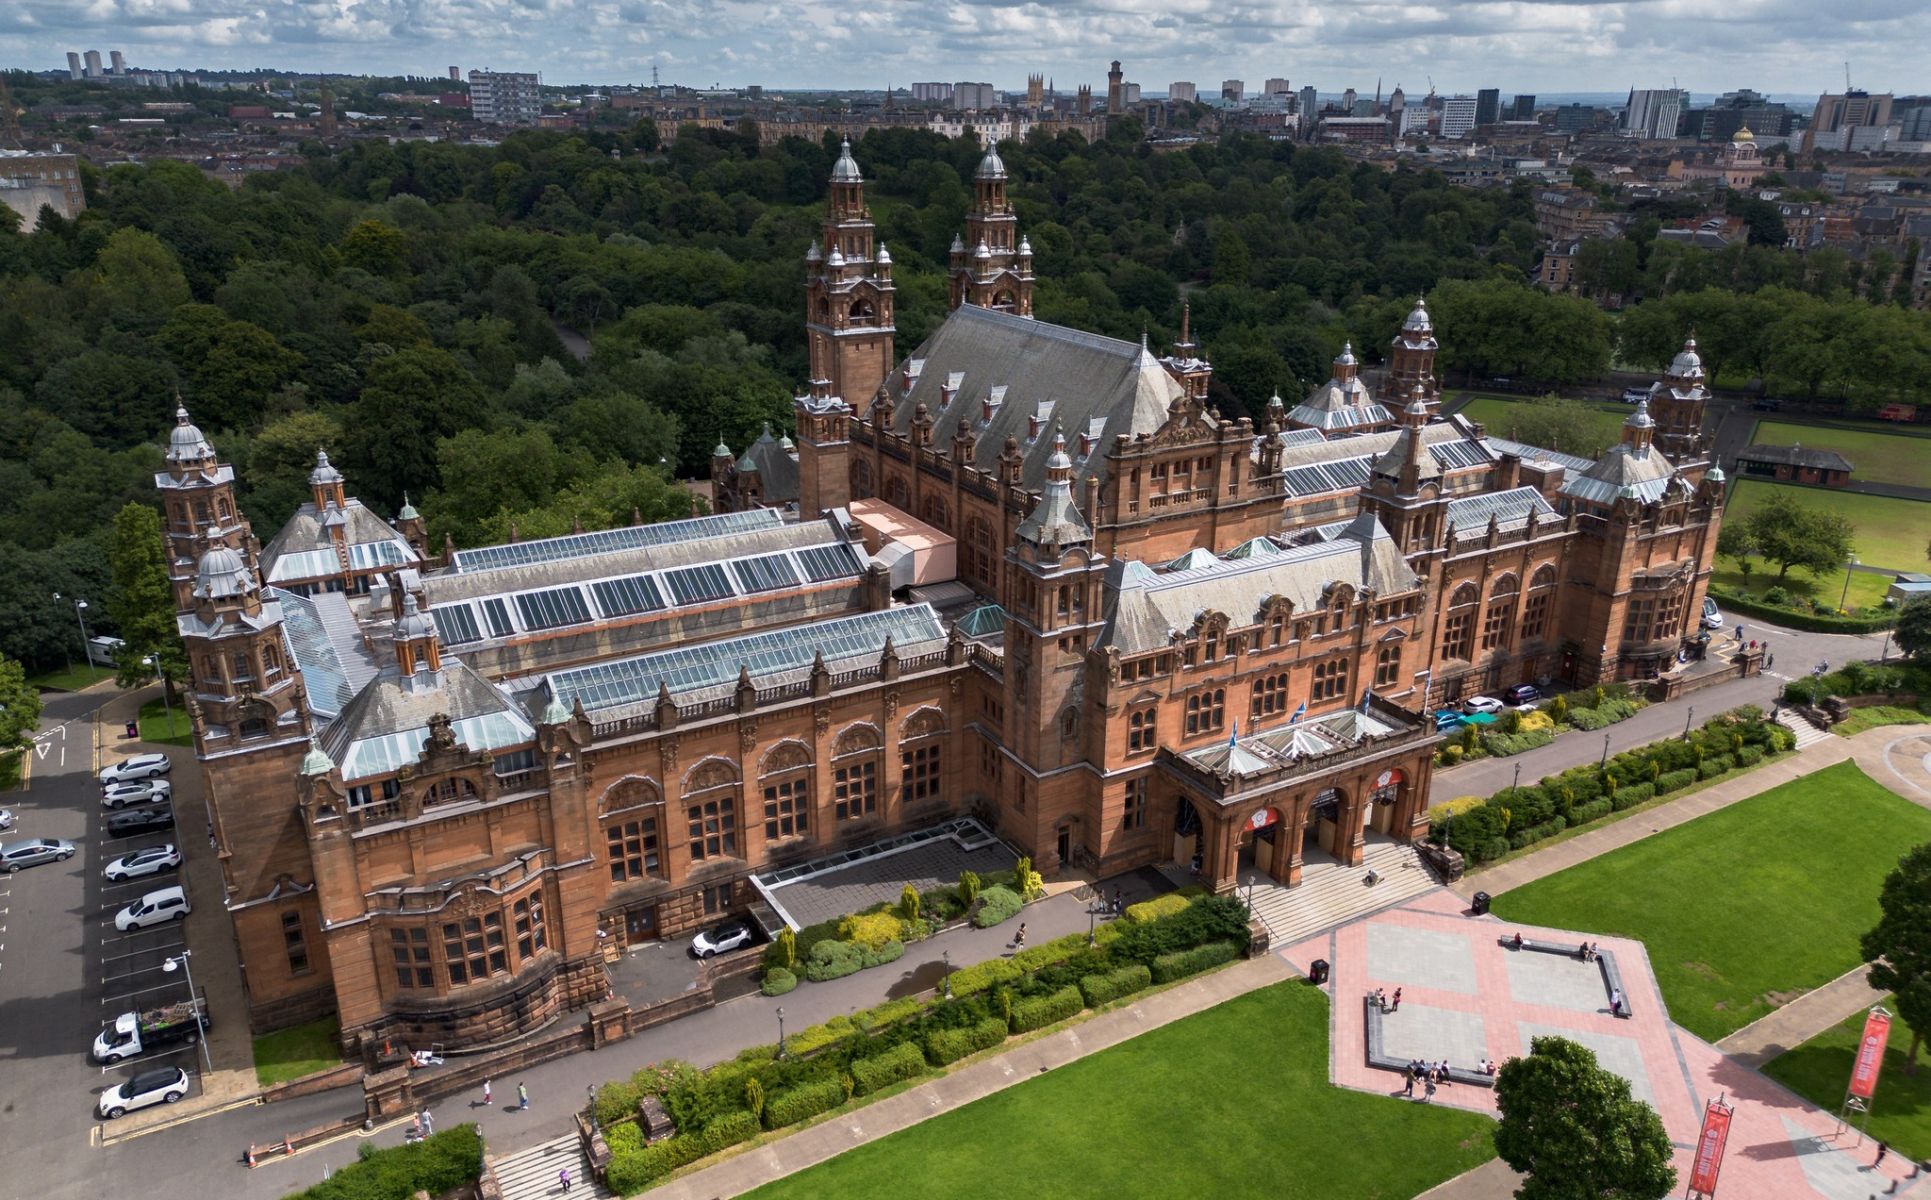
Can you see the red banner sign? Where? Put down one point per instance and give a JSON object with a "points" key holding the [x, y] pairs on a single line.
{"points": [[1263, 819], [1870, 1053], [1709, 1148]]}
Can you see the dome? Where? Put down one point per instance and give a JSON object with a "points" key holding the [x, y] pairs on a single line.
{"points": [[1347, 355], [317, 760], [1418, 321], [1715, 475], [721, 450], [1744, 135], [1418, 402], [958, 244], [323, 472], [1275, 402], [1687, 364], [990, 167], [408, 512], [785, 443], [414, 624], [222, 574], [185, 443], [814, 254], [1059, 461], [983, 251], [845, 170], [836, 259], [884, 256], [1640, 419], [1025, 248]]}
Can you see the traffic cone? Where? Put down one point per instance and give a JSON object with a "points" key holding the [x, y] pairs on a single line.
{"points": [[248, 1156]]}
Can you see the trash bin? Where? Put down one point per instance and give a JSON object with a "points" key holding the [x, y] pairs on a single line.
{"points": [[1317, 971], [1481, 904]]}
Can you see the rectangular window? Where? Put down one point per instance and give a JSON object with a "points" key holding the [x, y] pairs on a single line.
{"points": [[854, 790], [295, 944], [1535, 618], [1135, 813], [1270, 697], [1141, 727], [456, 624], [713, 829], [785, 809], [1331, 679], [1495, 624], [766, 573], [717, 899], [696, 585], [530, 935], [473, 949], [1387, 667], [553, 609], [496, 614], [823, 563], [410, 948], [1458, 634], [1638, 620], [623, 597], [633, 850], [920, 769], [1207, 711]]}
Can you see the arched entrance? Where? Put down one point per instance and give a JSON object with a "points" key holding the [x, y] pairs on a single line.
{"points": [[1324, 821], [1186, 832], [1384, 800], [1263, 841]]}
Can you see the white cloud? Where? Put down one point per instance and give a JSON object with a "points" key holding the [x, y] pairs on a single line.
{"points": [[1543, 46]]}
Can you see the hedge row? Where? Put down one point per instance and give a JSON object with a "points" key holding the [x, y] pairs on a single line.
{"points": [[637, 1170], [947, 1046], [1793, 619], [903, 1061], [835, 960], [802, 1103], [444, 1162], [1041, 1011], [1105, 988], [1159, 906], [1182, 963], [996, 904]]}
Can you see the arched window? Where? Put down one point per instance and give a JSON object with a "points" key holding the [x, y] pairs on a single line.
{"points": [[1500, 613], [978, 552], [1270, 696], [896, 494], [1207, 711], [861, 480], [1003, 300], [1458, 630], [254, 727], [862, 313], [854, 774], [1141, 729], [784, 780], [1535, 616], [935, 514]]}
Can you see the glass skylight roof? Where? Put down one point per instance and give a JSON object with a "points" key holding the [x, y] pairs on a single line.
{"points": [[913, 630], [581, 545]]}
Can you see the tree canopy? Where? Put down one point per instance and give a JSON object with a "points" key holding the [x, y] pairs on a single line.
{"points": [[1573, 1131], [1899, 947], [1787, 533]]}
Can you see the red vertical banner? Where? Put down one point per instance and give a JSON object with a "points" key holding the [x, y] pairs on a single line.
{"points": [[1870, 1053], [1708, 1160]]}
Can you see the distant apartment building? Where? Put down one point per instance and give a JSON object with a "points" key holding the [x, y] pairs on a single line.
{"points": [[1524, 109], [1276, 87], [1411, 118], [1130, 94], [1488, 106], [505, 97], [1233, 90], [1567, 214], [1354, 129], [455, 74], [1458, 116], [73, 65], [1181, 90], [29, 182], [1577, 118], [931, 93], [94, 64], [1653, 112], [118, 62], [1848, 121], [969, 97], [1733, 112], [1309, 107]]}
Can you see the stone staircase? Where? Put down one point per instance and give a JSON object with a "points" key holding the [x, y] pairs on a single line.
{"points": [[529, 1174], [1808, 735], [1330, 894]]}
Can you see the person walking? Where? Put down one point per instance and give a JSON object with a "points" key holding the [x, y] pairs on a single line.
{"points": [[1019, 939], [1396, 1006], [1409, 1089], [522, 1097], [428, 1124], [1431, 1089], [1883, 1148], [563, 1178], [485, 1093]]}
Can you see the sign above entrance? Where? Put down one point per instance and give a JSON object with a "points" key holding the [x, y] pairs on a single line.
{"points": [[1388, 778], [1263, 819]]}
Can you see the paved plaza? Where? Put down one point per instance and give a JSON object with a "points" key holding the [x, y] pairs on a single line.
{"points": [[1468, 996]]}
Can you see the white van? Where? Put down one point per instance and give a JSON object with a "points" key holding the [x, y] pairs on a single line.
{"points": [[167, 904], [101, 650]]}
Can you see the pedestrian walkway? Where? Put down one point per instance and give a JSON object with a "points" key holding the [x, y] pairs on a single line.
{"points": [[1802, 1019], [1807, 735], [828, 1139], [531, 1173]]}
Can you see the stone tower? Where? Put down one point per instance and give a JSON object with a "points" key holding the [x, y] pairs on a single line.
{"points": [[1677, 405], [1115, 90], [1411, 359], [992, 266], [849, 295]]}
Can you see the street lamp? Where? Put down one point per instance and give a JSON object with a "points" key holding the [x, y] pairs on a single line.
{"points": [[947, 956], [1517, 781], [80, 614], [63, 646], [1605, 751], [781, 1031], [1686, 722], [180, 962], [1848, 568]]}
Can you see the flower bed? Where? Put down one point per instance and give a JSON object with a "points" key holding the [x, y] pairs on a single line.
{"points": [[1515, 818]]}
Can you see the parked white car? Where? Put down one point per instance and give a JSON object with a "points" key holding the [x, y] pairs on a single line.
{"points": [[1482, 704], [1712, 616], [142, 863], [167, 904], [162, 1085], [721, 939], [141, 766], [6, 819], [141, 791]]}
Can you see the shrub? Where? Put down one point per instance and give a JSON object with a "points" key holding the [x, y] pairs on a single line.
{"points": [[778, 981], [1537, 720], [1749, 756], [1504, 744], [1632, 795], [1559, 709], [890, 1013], [1469, 831], [1775, 594], [449, 1160], [1208, 919], [978, 977], [1675, 781], [623, 1137], [803, 1102], [1123, 981], [1587, 718], [968, 887], [996, 904], [1040, 1011], [819, 1036], [1169, 967], [947, 1046], [1595, 810], [628, 1173], [616, 1102], [1159, 906], [833, 960], [903, 1061], [1716, 765], [1492, 849], [870, 930], [908, 903], [1048, 954], [1453, 808]]}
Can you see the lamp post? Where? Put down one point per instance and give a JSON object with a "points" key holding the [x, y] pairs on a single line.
{"points": [[64, 652], [1605, 751], [1686, 722], [80, 614], [947, 956], [180, 963], [1848, 568], [781, 1031], [1517, 781]]}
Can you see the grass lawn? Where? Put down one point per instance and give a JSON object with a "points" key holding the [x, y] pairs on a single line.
{"points": [[72, 679], [1876, 456], [1877, 715], [1890, 533], [1746, 908], [1231, 1102], [1497, 415], [1866, 592], [166, 726], [1820, 1070], [292, 1053]]}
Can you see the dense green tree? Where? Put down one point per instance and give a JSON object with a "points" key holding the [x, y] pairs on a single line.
{"points": [[1787, 533], [19, 707], [1557, 423], [1571, 1129], [1913, 632], [409, 401], [141, 603], [1899, 946], [136, 280]]}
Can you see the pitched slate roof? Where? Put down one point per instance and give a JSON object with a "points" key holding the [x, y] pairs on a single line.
{"points": [[776, 465], [1795, 456], [303, 550], [386, 723]]}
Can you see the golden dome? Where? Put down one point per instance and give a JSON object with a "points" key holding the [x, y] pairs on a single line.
{"points": [[1744, 135]]}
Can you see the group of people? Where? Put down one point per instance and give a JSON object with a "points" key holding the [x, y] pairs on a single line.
{"points": [[1434, 1075], [1385, 1003]]}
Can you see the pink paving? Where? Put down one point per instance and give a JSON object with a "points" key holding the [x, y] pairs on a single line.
{"points": [[1458, 979]]}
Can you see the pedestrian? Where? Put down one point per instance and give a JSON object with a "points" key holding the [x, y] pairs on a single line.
{"points": [[1019, 939], [1119, 901], [485, 1093], [1408, 1090], [1616, 1003], [1396, 1006], [1769, 660], [415, 1130], [1431, 1089], [428, 1124], [1883, 1148], [522, 1097], [1739, 633], [563, 1177]]}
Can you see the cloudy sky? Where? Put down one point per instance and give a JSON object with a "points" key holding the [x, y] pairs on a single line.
{"points": [[1543, 46]]}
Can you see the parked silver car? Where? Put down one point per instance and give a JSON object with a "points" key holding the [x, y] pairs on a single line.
{"points": [[31, 853]]}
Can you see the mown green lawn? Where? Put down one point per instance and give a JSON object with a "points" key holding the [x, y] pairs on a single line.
{"points": [[1890, 533], [1876, 456], [1231, 1102], [1749, 907], [71, 679], [292, 1053], [166, 725], [1497, 416], [1820, 1071]]}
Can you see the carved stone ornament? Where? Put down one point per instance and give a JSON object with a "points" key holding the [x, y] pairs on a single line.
{"points": [[667, 747], [747, 736], [821, 719], [958, 686], [891, 703], [441, 736], [471, 901]]}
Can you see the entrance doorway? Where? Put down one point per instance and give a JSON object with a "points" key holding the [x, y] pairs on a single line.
{"points": [[1186, 834], [1261, 842], [1065, 846]]}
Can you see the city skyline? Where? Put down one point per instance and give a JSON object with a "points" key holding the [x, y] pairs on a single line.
{"points": [[1537, 47]]}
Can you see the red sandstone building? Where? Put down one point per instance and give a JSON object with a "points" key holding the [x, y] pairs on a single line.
{"points": [[441, 790]]}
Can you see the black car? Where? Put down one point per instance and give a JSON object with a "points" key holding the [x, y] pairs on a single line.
{"points": [[1524, 693], [130, 821]]}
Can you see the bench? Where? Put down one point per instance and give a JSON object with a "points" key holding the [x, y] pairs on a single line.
{"points": [[1612, 979], [1380, 1059]]}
